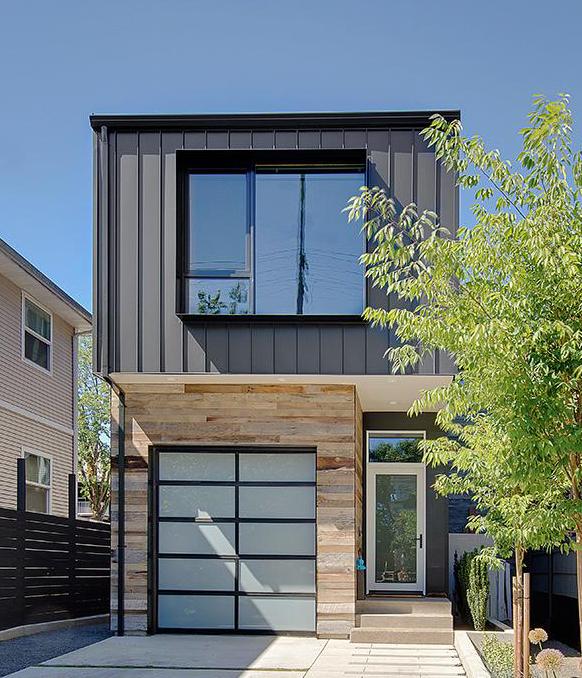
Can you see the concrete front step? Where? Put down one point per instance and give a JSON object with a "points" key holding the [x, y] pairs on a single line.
{"points": [[402, 621], [403, 605], [427, 636]]}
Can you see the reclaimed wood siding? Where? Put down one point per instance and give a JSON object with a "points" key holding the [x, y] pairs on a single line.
{"points": [[325, 417], [137, 329]]}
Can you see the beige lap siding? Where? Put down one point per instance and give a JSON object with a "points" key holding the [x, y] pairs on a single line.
{"points": [[17, 432], [48, 395], [325, 417]]}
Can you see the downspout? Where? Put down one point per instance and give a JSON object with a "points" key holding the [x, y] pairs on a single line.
{"points": [[121, 515], [120, 506], [75, 402]]}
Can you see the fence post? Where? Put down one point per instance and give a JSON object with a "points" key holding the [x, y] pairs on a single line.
{"points": [[72, 545], [526, 624], [72, 496], [20, 611]]}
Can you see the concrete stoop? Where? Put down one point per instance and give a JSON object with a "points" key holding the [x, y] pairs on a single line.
{"points": [[427, 621]]}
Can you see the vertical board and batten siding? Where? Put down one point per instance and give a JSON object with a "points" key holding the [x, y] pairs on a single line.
{"points": [[138, 329]]}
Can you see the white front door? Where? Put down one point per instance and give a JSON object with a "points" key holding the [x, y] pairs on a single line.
{"points": [[395, 527]]}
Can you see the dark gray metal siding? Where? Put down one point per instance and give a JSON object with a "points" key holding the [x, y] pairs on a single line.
{"points": [[437, 513], [135, 267]]}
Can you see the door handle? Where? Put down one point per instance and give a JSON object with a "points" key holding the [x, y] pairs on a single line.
{"points": [[419, 539]]}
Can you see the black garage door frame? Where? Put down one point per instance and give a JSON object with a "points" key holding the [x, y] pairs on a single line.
{"points": [[154, 483]]}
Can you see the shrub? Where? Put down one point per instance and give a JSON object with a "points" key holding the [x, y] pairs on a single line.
{"points": [[478, 593], [462, 566], [498, 657], [472, 587]]}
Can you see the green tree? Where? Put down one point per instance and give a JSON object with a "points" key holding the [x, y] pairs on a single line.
{"points": [[94, 462], [502, 297]]}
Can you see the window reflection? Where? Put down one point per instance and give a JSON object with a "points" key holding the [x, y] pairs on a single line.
{"points": [[212, 296], [306, 258], [306, 253], [218, 222], [403, 449]]}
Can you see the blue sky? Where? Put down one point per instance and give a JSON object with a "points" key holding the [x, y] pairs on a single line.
{"points": [[62, 60]]}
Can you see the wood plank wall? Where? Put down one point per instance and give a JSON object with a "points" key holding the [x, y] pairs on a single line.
{"points": [[327, 417]]}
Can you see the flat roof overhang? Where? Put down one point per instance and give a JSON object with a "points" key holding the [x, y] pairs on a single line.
{"points": [[367, 119], [377, 393]]}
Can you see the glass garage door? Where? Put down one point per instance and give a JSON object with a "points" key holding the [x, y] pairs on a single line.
{"points": [[235, 540]]}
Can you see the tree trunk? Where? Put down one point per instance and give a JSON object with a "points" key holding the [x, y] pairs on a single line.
{"points": [[525, 630], [518, 620], [514, 597], [574, 464], [579, 581]]}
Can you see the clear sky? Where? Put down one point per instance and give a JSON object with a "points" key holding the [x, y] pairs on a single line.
{"points": [[61, 60]]}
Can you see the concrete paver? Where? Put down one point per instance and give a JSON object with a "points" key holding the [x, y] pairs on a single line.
{"points": [[167, 656]]}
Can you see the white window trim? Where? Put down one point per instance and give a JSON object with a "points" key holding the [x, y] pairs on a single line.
{"points": [[390, 434], [26, 297], [49, 487]]}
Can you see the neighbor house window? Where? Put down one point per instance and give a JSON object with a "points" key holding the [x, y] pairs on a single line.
{"points": [[38, 482], [395, 447], [273, 240], [37, 334]]}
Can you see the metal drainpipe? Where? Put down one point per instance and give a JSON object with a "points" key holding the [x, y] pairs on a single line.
{"points": [[121, 517]]}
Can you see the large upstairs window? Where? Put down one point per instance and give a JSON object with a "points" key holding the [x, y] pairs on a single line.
{"points": [[272, 240]]}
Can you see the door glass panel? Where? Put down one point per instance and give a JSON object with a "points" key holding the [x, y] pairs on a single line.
{"points": [[189, 574], [277, 539], [277, 613], [277, 576], [196, 466], [192, 501], [194, 538], [396, 529], [195, 612], [277, 467], [277, 502]]}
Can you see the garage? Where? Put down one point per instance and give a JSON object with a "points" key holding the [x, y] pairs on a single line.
{"points": [[234, 538]]}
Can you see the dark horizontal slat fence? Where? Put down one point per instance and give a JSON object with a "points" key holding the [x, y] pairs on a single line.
{"points": [[554, 595], [51, 567]]}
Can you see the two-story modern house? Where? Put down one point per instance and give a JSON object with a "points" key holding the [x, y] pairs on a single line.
{"points": [[39, 328], [263, 445]]}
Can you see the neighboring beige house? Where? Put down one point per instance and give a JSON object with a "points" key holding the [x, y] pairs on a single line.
{"points": [[39, 329]]}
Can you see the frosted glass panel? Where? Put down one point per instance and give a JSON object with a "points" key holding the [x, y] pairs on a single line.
{"points": [[277, 614], [192, 501], [188, 574], [196, 466], [277, 539], [279, 466], [277, 576], [195, 538], [277, 502], [195, 612]]}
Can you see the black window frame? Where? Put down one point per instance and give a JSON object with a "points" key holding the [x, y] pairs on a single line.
{"points": [[154, 519], [227, 161]]}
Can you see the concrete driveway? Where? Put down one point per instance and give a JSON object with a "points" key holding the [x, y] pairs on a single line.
{"points": [[177, 656]]}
